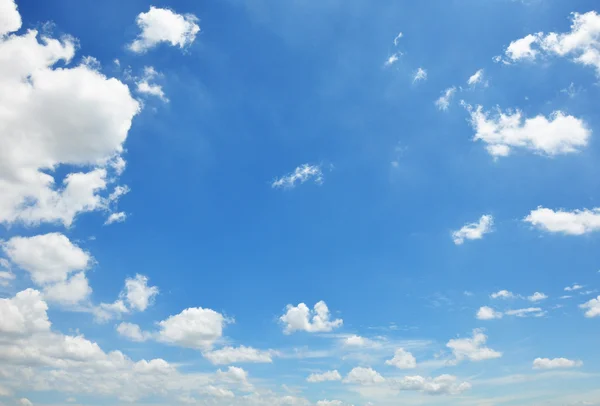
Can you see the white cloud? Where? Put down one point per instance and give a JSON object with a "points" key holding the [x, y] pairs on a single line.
{"points": [[443, 103], [25, 402], [324, 377], [392, 59], [300, 175], [160, 25], [575, 222], [474, 231], [24, 314], [69, 292], [592, 307], [537, 297], [301, 318], [10, 19], [133, 332], [138, 294], [398, 37], [144, 85], [6, 276], [573, 288], [194, 327], [118, 217], [358, 341], [502, 294], [487, 313], [420, 75], [582, 43], [329, 403], [476, 78], [527, 312], [556, 135], [441, 385], [473, 349], [364, 376], [402, 360], [51, 117], [238, 355], [545, 363]]}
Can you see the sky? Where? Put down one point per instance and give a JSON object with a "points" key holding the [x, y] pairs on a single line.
{"points": [[295, 202]]}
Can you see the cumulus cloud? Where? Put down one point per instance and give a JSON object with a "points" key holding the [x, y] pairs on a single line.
{"points": [[575, 222], [300, 175], [10, 19], [420, 75], [138, 294], [132, 332], [443, 103], [472, 349], [118, 217], [301, 318], [573, 288], [194, 327], [329, 403], [324, 377], [55, 117], [161, 25], [359, 342], [545, 363], [402, 360], [487, 313], [476, 78], [474, 231], [502, 294], [537, 297], [527, 312], [145, 86], [581, 43], [238, 355], [441, 385], [502, 132], [364, 376], [592, 308]]}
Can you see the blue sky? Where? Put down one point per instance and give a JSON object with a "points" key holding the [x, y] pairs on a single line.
{"points": [[324, 203]]}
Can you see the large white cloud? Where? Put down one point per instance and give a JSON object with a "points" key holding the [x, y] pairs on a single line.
{"points": [[473, 348], [10, 19], [52, 116], [575, 222], [194, 327], [402, 359], [301, 318], [474, 231], [557, 134], [161, 25], [24, 314], [582, 42], [238, 355], [546, 363]]}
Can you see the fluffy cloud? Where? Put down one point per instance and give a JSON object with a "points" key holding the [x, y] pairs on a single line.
{"points": [[10, 19], [364, 376], [545, 363], [420, 75], [502, 132], [118, 217], [537, 297], [358, 341], [528, 312], [474, 231], [69, 292], [160, 25], [487, 313], [6, 276], [193, 328], [138, 294], [476, 78], [573, 288], [502, 294], [242, 354], [301, 318], [441, 385], [145, 86], [24, 314], [443, 103], [592, 307], [575, 222], [300, 175], [50, 117], [133, 332], [402, 360], [582, 43], [473, 349], [324, 377]]}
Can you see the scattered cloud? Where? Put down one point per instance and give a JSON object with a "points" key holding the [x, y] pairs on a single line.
{"points": [[301, 318], [133, 332], [239, 355], [364, 376], [443, 103], [502, 294], [592, 308], [545, 363], [487, 313], [537, 297], [556, 135], [161, 25], [573, 288], [477, 78], [398, 37], [118, 217], [194, 327], [575, 222], [324, 377], [420, 75], [402, 360], [472, 349], [474, 231], [138, 294], [145, 86], [527, 312], [392, 59], [300, 175], [441, 385]]}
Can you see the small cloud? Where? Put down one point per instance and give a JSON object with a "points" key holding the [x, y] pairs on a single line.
{"points": [[392, 59], [487, 313], [573, 288], [116, 218], [536, 297], [300, 175], [398, 37], [443, 103], [420, 75], [477, 78], [474, 231], [502, 294]]}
